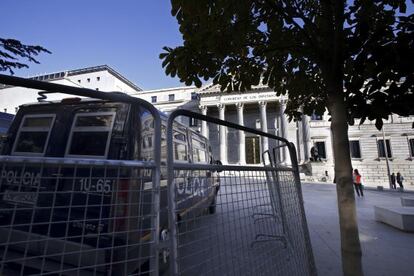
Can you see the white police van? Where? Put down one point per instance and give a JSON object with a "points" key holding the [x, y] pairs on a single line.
{"points": [[67, 207]]}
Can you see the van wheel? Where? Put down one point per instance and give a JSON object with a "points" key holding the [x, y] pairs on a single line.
{"points": [[212, 208]]}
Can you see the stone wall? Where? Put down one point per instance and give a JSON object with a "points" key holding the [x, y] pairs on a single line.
{"points": [[374, 173]]}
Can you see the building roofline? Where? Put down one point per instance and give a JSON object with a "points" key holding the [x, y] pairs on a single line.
{"points": [[62, 74], [168, 89], [103, 68]]}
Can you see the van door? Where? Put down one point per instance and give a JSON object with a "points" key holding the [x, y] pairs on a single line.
{"points": [[202, 181]]}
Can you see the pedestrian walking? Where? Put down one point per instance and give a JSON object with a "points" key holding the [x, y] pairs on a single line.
{"points": [[393, 186], [400, 180], [358, 183]]}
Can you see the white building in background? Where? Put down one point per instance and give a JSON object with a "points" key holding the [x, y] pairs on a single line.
{"points": [[101, 78], [260, 109], [170, 99]]}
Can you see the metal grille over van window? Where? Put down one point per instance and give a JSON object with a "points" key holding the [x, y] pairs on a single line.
{"points": [[90, 135], [33, 134]]}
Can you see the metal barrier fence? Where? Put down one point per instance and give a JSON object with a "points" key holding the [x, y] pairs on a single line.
{"points": [[75, 217], [251, 222]]}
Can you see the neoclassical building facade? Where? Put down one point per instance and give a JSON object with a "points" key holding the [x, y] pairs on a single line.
{"points": [[259, 109], [373, 152]]}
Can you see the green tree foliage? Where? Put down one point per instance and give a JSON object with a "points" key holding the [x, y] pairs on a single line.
{"points": [[354, 58], [12, 50], [292, 44]]}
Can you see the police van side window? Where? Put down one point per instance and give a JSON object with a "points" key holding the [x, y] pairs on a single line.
{"points": [[180, 146], [199, 149], [90, 135], [33, 134]]}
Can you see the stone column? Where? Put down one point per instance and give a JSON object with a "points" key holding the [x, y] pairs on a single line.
{"points": [[283, 130], [329, 148], [242, 139], [263, 121], [204, 128], [277, 143], [307, 145], [222, 136]]}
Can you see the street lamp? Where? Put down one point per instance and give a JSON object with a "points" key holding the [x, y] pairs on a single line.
{"points": [[386, 157]]}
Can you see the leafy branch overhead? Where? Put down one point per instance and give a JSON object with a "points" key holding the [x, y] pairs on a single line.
{"points": [[12, 50], [289, 46]]}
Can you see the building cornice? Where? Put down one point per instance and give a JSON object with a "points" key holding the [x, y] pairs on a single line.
{"points": [[212, 89], [163, 90]]}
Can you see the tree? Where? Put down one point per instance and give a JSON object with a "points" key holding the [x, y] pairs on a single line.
{"points": [[11, 50], [352, 57]]}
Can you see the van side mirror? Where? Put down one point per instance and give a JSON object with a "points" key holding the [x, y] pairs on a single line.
{"points": [[218, 163]]}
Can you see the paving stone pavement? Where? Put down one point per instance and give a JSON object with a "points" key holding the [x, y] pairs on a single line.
{"points": [[386, 250]]}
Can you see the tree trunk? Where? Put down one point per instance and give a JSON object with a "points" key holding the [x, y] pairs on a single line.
{"points": [[350, 245]]}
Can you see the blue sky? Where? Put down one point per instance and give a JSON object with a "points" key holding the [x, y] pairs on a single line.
{"points": [[127, 35]]}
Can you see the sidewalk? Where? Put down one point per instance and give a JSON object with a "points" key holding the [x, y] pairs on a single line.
{"points": [[386, 250]]}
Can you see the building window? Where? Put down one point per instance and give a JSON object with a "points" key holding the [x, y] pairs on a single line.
{"points": [[154, 99], [411, 145], [316, 117], [193, 122], [355, 149], [321, 149], [88, 80], [381, 148], [171, 97], [98, 78]]}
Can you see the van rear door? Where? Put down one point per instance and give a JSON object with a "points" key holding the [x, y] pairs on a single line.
{"points": [[55, 198]]}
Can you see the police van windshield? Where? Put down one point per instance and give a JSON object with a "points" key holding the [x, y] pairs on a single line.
{"points": [[90, 135], [33, 134]]}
